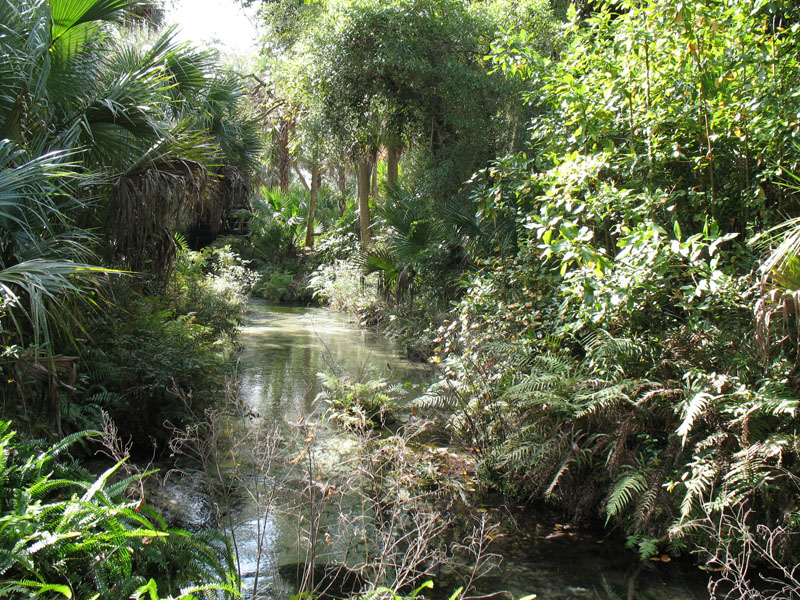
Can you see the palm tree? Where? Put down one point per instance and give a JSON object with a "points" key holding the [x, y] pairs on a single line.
{"points": [[780, 279], [106, 130], [46, 52], [149, 114]]}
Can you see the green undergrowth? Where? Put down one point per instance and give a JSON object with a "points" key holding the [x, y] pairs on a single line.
{"points": [[627, 352], [152, 351], [66, 533], [160, 356], [360, 405]]}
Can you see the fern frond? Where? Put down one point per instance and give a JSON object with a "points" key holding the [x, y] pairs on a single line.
{"points": [[115, 490], [754, 467], [648, 547], [609, 592], [60, 446], [43, 486], [562, 470], [695, 407], [438, 401], [41, 588], [522, 454], [698, 484], [97, 487], [602, 400], [646, 505], [105, 398], [601, 346], [625, 490]]}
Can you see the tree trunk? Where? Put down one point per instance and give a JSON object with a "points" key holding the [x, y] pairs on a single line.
{"points": [[363, 171], [340, 172], [284, 160], [302, 179], [373, 189], [393, 153], [312, 203]]}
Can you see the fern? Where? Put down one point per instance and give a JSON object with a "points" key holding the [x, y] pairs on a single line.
{"points": [[695, 407], [39, 587], [438, 401], [609, 592], [601, 401], [646, 505], [698, 484], [626, 489], [754, 467], [648, 548], [45, 539]]}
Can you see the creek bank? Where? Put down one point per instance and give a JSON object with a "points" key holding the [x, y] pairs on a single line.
{"points": [[183, 500], [283, 350], [557, 560]]}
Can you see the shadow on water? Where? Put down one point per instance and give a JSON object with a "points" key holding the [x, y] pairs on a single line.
{"points": [[284, 348]]}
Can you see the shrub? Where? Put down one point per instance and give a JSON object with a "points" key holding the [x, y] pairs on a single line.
{"points": [[151, 350], [212, 285], [275, 286], [343, 287]]}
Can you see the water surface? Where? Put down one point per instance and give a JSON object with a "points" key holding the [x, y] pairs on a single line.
{"points": [[284, 348]]}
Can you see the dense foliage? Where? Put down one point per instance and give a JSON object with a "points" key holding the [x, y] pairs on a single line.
{"points": [[155, 354], [69, 534], [605, 357], [624, 344], [113, 137], [583, 223]]}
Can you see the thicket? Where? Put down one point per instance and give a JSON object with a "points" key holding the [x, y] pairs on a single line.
{"points": [[278, 222], [113, 138], [152, 354], [627, 350]]}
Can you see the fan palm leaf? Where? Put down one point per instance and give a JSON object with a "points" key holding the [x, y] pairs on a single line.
{"points": [[41, 252], [75, 23]]}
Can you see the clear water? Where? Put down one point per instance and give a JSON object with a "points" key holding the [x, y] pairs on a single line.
{"points": [[283, 350]]}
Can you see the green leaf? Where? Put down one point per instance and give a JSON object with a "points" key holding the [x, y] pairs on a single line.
{"points": [[42, 588], [456, 594]]}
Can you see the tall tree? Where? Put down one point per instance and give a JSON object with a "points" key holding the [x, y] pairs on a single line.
{"points": [[406, 73]]}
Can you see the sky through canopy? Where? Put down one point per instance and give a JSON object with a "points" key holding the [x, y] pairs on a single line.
{"points": [[214, 22]]}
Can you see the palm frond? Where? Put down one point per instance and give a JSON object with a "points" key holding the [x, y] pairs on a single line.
{"points": [[36, 290]]}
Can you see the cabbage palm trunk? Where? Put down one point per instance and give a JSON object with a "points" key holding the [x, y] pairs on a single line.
{"points": [[393, 153], [363, 165]]}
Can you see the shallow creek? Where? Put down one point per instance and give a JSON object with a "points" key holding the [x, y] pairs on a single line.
{"points": [[284, 348]]}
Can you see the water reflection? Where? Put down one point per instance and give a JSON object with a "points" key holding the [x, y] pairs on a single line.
{"points": [[284, 348]]}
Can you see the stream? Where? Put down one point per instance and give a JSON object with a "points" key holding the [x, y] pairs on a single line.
{"points": [[290, 448]]}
